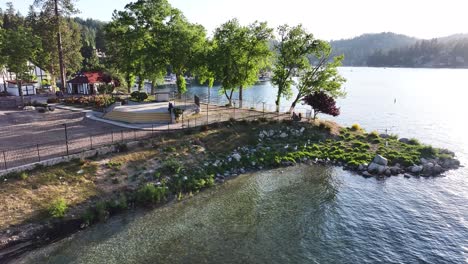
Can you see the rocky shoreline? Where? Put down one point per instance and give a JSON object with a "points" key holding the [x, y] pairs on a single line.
{"points": [[276, 146]]}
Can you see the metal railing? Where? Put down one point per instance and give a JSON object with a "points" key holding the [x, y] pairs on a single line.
{"points": [[213, 112]]}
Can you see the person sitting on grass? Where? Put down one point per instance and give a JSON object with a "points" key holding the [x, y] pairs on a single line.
{"points": [[296, 117]]}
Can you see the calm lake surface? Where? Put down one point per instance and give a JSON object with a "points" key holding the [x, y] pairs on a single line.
{"points": [[314, 214]]}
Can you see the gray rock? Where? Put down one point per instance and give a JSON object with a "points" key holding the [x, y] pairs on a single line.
{"points": [[416, 169], [376, 168], [236, 156], [446, 151], [366, 174], [388, 172], [29, 108], [380, 160], [362, 167], [407, 176], [394, 170], [404, 140], [384, 135], [283, 135], [438, 169], [428, 168]]}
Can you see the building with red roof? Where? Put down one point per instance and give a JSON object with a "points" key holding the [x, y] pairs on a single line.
{"points": [[88, 82]]}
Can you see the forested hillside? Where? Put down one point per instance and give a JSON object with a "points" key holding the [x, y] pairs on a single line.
{"points": [[451, 52], [357, 50]]}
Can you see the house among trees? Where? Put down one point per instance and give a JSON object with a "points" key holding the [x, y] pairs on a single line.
{"points": [[87, 82], [39, 79]]}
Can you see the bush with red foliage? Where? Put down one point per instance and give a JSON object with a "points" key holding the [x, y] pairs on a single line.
{"points": [[322, 103]]}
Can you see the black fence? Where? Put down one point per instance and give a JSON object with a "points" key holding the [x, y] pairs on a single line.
{"points": [[73, 144]]}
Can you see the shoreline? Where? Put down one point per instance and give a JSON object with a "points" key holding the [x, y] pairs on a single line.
{"points": [[265, 145]]}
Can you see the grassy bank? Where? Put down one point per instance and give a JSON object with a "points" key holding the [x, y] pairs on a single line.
{"points": [[179, 165]]}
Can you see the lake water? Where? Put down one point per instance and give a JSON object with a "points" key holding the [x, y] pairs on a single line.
{"points": [[314, 214]]}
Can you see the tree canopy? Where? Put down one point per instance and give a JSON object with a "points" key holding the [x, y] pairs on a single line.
{"points": [[19, 46], [239, 53], [293, 46]]}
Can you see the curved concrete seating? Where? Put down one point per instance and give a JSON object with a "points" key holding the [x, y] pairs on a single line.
{"points": [[141, 114]]}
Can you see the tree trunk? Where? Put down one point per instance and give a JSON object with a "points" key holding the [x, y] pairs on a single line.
{"points": [[60, 49], [277, 102], [229, 97], [20, 91], [153, 87], [293, 105], [140, 84], [240, 96], [129, 83]]}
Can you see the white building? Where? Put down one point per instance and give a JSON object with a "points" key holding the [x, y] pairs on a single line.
{"points": [[8, 80]]}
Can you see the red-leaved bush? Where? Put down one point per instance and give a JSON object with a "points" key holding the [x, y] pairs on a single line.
{"points": [[322, 103]]}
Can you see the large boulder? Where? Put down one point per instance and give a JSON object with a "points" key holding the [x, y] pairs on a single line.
{"points": [[428, 168], [380, 160], [395, 170], [416, 169], [376, 168], [438, 169]]}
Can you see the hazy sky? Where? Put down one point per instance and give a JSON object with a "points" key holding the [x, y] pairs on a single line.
{"points": [[327, 19]]}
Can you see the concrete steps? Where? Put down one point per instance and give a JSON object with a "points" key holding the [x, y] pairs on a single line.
{"points": [[138, 117]]}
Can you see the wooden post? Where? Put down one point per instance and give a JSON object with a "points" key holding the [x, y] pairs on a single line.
{"points": [[66, 137]]}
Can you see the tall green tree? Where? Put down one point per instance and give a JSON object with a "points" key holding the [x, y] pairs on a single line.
{"points": [[240, 53], [43, 25], [134, 43], [185, 41], [322, 77], [58, 9], [292, 48], [19, 47]]}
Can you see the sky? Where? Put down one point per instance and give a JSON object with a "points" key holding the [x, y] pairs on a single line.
{"points": [[327, 19]]}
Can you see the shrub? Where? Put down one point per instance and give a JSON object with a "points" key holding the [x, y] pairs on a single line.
{"points": [[356, 127], [121, 147], [102, 211], [23, 176], [171, 166], [58, 208], [139, 96], [135, 94], [373, 134], [89, 216], [150, 194], [41, 110], [414, 142], [114, 165], [53, 101], [428, 151]]}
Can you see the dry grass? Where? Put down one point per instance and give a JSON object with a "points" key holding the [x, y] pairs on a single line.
{"points": [[28, 199]]}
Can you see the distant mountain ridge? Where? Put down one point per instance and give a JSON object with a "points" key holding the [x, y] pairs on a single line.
{"points": [[397, 50], [357, 50]]}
